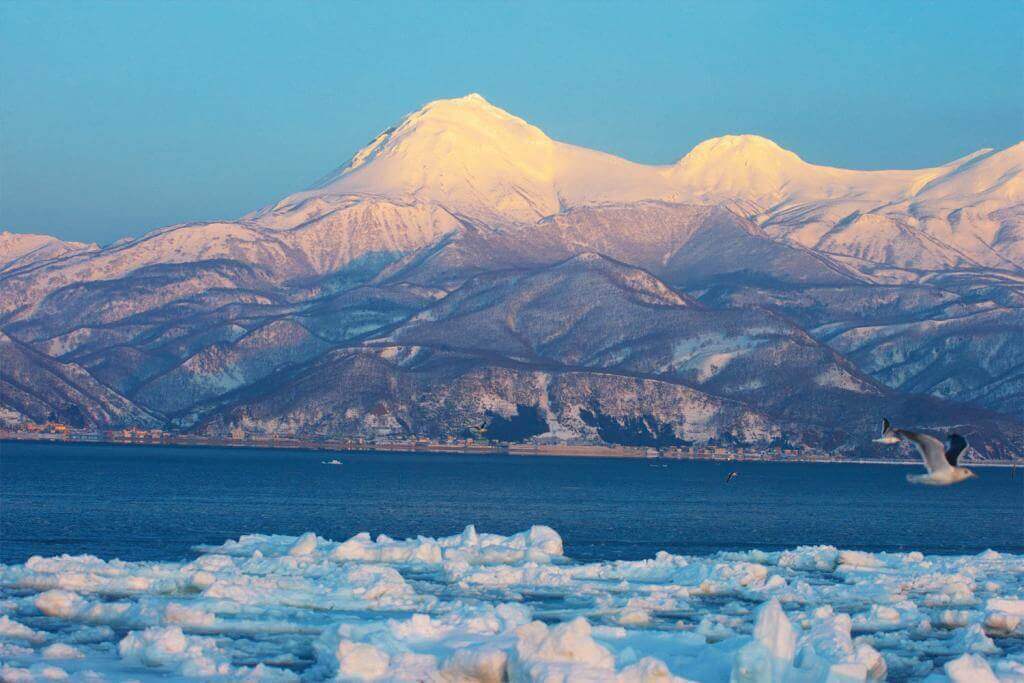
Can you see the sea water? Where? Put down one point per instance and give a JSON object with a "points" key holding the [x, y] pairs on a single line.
{"points": [[257, 565], [155, 503]]}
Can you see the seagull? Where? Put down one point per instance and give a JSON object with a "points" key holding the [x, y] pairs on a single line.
{"points": [[940, 460], [731, 476]]}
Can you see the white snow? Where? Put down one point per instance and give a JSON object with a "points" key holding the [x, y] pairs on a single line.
{"points": [[708, 354], [21, 249], [475, 159], [490, 607]]}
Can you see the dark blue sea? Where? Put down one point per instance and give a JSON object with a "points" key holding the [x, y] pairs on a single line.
{"points": [[155, 503]]}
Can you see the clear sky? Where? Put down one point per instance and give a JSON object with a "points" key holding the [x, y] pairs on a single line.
{"points": [[121, 117]]}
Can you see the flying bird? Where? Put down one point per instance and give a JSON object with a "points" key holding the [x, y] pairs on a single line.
{"points": [[939, 459], [731, 476]]}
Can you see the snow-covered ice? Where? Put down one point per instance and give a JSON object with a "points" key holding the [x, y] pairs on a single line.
{"points": [[478, 606]]}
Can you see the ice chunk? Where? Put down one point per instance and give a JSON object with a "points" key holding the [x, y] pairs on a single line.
{"points": [[770, 654], [559, 653], [61, 651], [873, 661], [11, 629], [893, 617], [973, 639], [483, 664], [169, 647], [856, 560], [362, 548], [970, 668], [827, 651], [648, 670], [12, 674], [822, 558], [634, 616], [13, 650], [1004, 616], [59, 603], [360, 661], [304, 546], [774, 631]]}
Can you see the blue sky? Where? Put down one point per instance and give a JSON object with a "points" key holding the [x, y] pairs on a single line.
{"points": [[121, 117]]}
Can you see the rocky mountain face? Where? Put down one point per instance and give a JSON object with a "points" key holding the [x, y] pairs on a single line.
{"points": [[465, 268]]}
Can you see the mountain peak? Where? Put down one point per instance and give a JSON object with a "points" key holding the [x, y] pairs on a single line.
{"points": [[473, 99], [464, 153], [750, 148], [740, 166], [470, 112]]}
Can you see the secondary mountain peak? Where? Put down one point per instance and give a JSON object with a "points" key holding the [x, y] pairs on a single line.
{"points": [[745, 145], [742, 166]]}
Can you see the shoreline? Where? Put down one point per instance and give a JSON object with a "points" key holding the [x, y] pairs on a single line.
{"points": [[510, 450]]}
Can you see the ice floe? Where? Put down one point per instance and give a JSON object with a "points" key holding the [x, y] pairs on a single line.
{"points": [[486, 607]]}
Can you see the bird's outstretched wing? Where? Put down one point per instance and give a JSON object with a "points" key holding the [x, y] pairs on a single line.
{"points": [[888, 433], [932, 451], [957, 444]]}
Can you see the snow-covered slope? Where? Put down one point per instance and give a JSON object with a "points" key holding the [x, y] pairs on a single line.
{"points": [[34, 386], [317, 237], [18, 249]]}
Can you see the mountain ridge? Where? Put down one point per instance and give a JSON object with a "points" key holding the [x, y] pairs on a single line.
{"points": [[465, 264], [450, 134]]}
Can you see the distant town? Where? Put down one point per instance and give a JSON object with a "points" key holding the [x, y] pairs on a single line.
{"points": [[58, 432]]}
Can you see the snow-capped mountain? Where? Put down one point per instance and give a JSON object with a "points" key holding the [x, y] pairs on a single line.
{"points": [[466, 265], [480, 161]]}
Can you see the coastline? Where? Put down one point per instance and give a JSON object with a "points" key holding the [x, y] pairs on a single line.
{"points": [[513, 449]]}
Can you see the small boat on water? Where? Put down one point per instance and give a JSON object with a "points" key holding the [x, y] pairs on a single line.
{"points": [[332, 462]]}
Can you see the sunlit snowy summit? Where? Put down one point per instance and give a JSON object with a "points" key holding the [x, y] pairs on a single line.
{"points": [[476, 159], [484, 607]]}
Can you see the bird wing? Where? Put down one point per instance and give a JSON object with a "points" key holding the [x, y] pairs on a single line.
{"points": [[887, 433], [957, 444], [932, 451]]}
